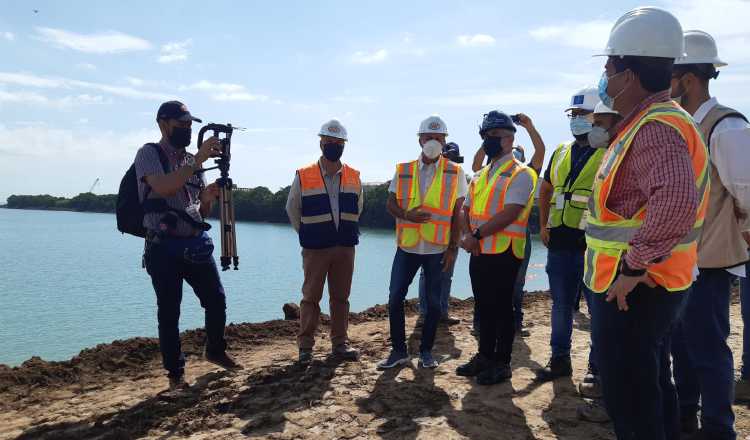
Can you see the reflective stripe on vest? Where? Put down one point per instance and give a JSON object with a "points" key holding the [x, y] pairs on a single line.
{"points": [[572, 198], [317, 226], [608, 234], [439, 201], [488, 199]]}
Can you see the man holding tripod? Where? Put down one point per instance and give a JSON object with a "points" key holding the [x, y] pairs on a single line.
{"points": [[175, 201]]}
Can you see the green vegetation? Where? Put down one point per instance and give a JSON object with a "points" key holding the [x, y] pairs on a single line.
{"points": [[253, 204]]}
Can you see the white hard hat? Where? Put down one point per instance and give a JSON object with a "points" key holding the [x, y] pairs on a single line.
{"points": [[700, 48], [333, 128], [584, 99], [433, 124], [647, 31], [602, 109]]}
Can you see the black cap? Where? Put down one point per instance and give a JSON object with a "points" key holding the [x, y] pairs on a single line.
{"points": [[175, 110]]}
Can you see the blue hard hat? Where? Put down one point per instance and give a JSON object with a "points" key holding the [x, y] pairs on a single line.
{"points": [[496, 119], [453, 152]]}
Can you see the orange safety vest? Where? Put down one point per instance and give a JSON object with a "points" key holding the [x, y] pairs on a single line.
{"points": [[608, 234], [439, 201], [317, 227], [488, 198]]}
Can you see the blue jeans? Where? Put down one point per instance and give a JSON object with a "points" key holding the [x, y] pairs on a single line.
{"points": [[446, 279], [565, 273], [405, 266], [745, 304], [633, 358], [169, 262], [703, 364]]}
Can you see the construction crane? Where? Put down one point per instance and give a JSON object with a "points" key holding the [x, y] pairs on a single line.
{"points": [[93, 185]]}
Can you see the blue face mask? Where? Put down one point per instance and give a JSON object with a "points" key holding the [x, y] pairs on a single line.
{"points": [[579, 125], [603, 83], [607, 100]]}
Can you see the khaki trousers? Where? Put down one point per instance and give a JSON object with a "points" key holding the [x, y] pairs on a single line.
{"points": [[336, 264]]}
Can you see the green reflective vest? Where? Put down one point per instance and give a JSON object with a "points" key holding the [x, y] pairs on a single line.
{"points": [[569, 204]]}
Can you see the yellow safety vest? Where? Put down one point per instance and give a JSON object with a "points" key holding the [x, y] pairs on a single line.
{"points": [[569, 204], [439, 201], [608, 234], [488, 199]]}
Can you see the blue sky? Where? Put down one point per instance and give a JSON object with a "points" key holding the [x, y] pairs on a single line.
{"points": [[80, 82]]}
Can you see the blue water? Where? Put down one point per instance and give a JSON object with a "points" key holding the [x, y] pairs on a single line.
{"points": [[70, 280]]}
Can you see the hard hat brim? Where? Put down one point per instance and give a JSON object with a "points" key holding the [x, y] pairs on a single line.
{"points": [[715, 61]]}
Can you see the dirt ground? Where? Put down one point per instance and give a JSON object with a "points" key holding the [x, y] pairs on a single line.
{"points": [[115, 391]]}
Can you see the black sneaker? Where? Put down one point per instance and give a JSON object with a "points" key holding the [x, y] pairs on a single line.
{"points": [[178, 384], [449, 320], [559, 366], [476, 365], [223, 360], [498, 373]]}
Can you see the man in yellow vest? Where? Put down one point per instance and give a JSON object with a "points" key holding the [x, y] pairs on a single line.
{"points": [[425, 197], [496, 213], [703, 364], [324, 204], [563, 199], [646, 209]]}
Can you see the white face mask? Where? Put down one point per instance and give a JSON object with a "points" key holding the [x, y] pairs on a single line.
{"points": [[598, 137], [432, 149]]}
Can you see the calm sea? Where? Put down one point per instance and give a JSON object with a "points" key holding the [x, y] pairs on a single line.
{"points": [[71, 280]]}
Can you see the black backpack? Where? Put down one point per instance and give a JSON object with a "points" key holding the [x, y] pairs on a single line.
{"points": [[129, 209]]}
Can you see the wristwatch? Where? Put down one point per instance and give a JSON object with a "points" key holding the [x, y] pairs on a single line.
{"points": [[476, 234], [627, 271]]}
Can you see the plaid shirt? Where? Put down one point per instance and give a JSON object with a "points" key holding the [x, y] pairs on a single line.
{"points": [[657, 172]]}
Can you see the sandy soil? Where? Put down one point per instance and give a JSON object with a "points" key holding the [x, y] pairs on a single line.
{"points": [[115, 391]]}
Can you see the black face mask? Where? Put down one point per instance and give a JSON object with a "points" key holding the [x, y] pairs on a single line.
{"points": [[333, 151], [492, 146], [180, 137]]}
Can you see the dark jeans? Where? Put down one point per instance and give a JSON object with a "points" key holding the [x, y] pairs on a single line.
{"points": [[405, 266], [565, 273], [518, 290], [446, 280], [492, 279], [632, 350], [745, 304], [703, 364], [169, 262]]}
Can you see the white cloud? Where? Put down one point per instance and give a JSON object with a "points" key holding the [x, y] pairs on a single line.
{"points": [[504, 98], [8, 36], [100, 43], [29, 80], [18, 98], [209, 86], [587, 35], [476, 40], [86, 66], [225, 91], [351, 99], [239, 96], [175, 51], [362, 57]]}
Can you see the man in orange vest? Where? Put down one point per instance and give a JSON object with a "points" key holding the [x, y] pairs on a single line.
{"points": [[496, 214], [703, 364], [425, 197], [324, 205], [645, 213]]}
